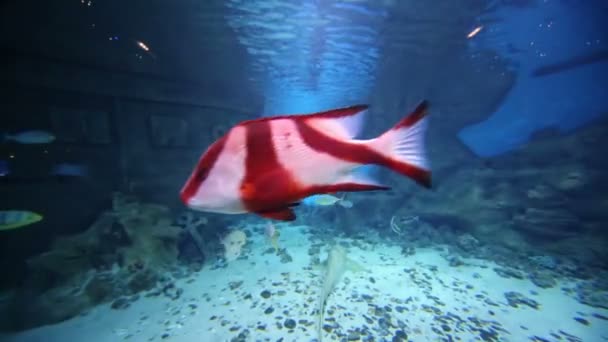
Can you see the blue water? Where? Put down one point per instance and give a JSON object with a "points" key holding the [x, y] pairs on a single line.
{"points": [[548, 32]]}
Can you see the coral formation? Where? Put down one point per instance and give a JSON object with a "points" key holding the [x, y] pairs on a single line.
{"points": [[125, 251]]}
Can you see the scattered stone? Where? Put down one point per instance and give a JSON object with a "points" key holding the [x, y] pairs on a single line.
{"points": [[590, 295], [455, 261], [235, 284], [467, 242], [542, 279], [508, 273], [544, 261], [515, 299], [289, 323], [120, 303], [269, 310], [353, 336], [598, 316], [164, 336], [285, 257], [243, 336], [265, 294], [581, 320], [172, 292], [400, 336], [408, 251]]}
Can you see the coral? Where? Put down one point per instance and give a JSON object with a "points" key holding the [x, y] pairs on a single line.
{"points": [[233, 243], [467, 242], [122, 253], [190, 223], [148, 226], [547, 222]]}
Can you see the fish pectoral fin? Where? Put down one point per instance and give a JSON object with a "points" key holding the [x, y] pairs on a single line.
{"points": [[282, 214]]}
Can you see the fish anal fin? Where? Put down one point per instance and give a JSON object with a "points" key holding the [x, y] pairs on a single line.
{"points": [[282, 214]]}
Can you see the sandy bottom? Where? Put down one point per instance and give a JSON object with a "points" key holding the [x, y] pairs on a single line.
{"points": [[418, 296]]}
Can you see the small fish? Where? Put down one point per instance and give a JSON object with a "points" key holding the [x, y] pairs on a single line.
{"points": [[69, 170], [336, 265], [11, 219], [31, 137], [5, 169], [272, 234], [266, 166], [326, 200]]}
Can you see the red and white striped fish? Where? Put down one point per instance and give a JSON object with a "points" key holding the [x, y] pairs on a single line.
{"points": [[266, 166]]}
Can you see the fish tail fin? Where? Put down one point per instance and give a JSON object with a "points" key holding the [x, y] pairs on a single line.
{"points": [[402, 148]]}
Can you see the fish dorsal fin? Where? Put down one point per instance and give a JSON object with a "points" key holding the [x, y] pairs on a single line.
{"points": [[342, 123], [282, 214]]}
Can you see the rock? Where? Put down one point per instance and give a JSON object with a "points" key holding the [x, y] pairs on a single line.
{"points": [[101, 289], [542, 279], [589, 294], [455, 261], [285, 257], [467, 242], [353, 336], [265, 294], [400, 336], [508, 273], [173, 292], [120, 303], [235, 284], [142, 280], [544, 261], [289, 323], [515, 299], [548, 223]]}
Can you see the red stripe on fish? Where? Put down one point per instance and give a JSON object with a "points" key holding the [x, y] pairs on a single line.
{"points": [[355, 153], [267, 186], [386, 150], [202, 169]]}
